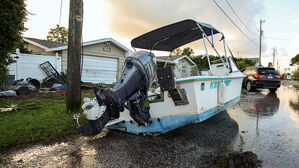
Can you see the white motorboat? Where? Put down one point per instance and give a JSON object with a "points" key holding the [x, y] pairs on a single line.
{"points": [[178, 101]]}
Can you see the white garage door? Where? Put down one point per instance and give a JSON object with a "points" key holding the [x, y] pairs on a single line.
{"points": [[99, 70]]}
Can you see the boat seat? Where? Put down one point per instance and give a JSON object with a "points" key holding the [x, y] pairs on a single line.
{"points": [[166, 78], [219, 69]]}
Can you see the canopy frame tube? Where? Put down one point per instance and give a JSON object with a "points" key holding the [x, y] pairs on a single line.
{"points": [[207, 54], [224, 46], [205, 37]]}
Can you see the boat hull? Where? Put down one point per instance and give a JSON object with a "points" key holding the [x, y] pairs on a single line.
{"points": [[207, 96], [168, 123]]}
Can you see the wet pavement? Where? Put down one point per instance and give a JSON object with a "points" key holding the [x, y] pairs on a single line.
{"points": [[265, 123], [269, 126]]}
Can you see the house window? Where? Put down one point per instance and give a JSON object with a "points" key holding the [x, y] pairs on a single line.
{"points": [[107, 47], [184, 69]]}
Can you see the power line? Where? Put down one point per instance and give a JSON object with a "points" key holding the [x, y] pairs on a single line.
{"points": [[234, 23], [60, 12], [242, 45], [249, 11], [239, 18]]}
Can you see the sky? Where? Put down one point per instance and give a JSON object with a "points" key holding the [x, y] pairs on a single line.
{"points": [[124, 20]]}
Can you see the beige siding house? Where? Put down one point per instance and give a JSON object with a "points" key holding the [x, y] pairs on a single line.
{"points": [[102, 59], [184, 66]]}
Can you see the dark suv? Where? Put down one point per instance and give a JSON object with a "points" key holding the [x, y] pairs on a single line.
{"points": [[261, 77]]}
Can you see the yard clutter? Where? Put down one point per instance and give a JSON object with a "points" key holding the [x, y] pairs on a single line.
{"points": [[29, 82], [21, 87], [58, 86], [8, 93]]}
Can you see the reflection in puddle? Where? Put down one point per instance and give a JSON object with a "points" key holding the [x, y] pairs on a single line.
{"points": [[264, 106], [294, 104], [295, 86]]}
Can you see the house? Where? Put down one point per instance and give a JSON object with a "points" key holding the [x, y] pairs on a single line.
{"points": [[40, 47], [102, 59], [184, 66]]}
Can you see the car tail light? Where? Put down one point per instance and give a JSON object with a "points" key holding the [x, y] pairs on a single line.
{"points": [[277, 77], [258, 76]]}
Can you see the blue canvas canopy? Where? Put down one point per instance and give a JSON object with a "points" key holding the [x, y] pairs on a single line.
{"points": [[172, 36]]}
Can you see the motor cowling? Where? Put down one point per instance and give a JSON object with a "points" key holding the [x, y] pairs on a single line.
{"points": [[137, 76]]}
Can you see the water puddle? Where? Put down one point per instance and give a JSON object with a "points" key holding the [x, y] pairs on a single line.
{"points": [[269, 126]]}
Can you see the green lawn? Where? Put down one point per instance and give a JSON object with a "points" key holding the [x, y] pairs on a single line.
{"points": [[42, 119]]}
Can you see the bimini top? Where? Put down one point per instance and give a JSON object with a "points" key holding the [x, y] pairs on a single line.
{"points": [[172, 36]]}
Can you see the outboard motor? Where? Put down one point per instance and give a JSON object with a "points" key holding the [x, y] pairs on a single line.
{"points": [[131, 92]]}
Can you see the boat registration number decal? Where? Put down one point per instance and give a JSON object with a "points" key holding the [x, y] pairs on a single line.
{"points": [[214, 84]]}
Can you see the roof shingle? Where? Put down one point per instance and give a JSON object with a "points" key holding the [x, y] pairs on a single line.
{"points": [[48, 44]]}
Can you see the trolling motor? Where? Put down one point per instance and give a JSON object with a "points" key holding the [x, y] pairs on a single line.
{"points": [[131, 92]]}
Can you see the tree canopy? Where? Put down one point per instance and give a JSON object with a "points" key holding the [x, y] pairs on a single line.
{"points": [[177, 51], [295, 60], [188, 51], [202, 62], [63, 34], [12, 17]]}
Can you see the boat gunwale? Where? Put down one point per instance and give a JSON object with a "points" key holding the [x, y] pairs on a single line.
{"points": [[200, 78]]}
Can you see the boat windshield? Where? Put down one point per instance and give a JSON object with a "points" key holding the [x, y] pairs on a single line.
{"points": [[233, 65], [183, 71]]}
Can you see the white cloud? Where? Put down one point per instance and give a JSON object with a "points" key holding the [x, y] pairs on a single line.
{"points": [[131, 18]]}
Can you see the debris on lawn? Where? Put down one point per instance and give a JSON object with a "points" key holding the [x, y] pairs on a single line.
{"points": [[20, 87], [11, 107], [87, 85], [22, 90], [28, 82], [51, 72], [58, 86], [8, 93], [18, 106]]}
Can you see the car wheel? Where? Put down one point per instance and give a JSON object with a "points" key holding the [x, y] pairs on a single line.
{"points": [[273, 89], [249, 86]]}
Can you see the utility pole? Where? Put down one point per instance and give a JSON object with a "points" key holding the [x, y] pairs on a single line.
{"points": [[58, 42], [73, 101], [274, 57], [260, 47]]}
